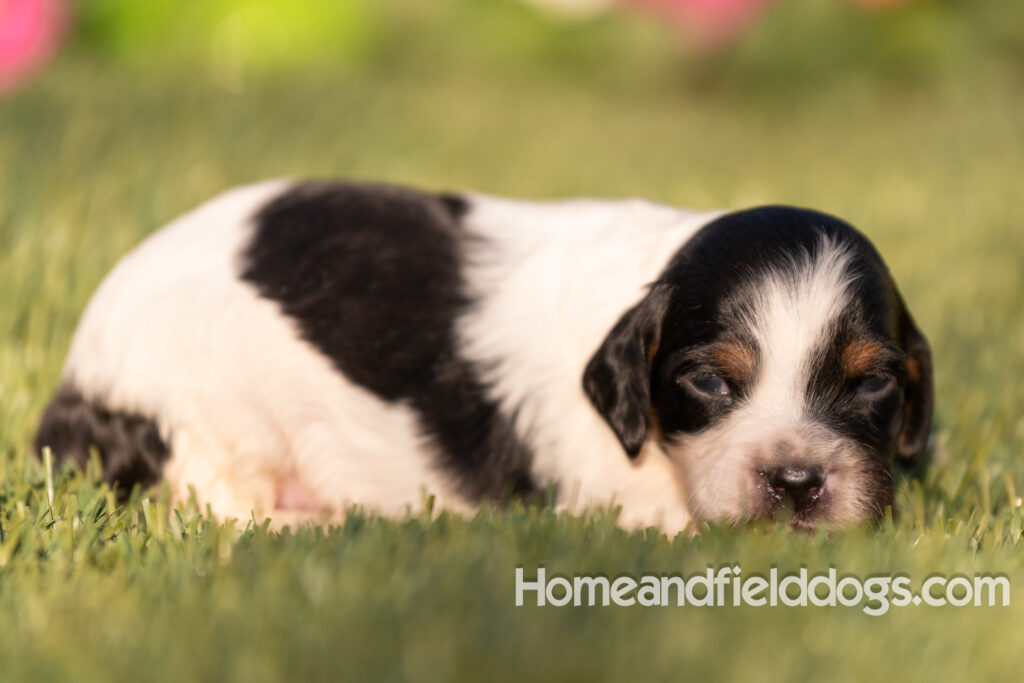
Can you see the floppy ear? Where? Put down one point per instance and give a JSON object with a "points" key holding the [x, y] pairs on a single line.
{"points": [[919, 393], [617, 378]]}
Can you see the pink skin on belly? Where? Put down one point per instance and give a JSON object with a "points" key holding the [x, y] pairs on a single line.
{"points": [[292, 494]]}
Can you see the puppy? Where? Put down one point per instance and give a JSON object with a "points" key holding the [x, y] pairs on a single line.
{"points": [[294, 348]]}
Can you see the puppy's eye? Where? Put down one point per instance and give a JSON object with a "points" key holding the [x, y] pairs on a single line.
{"points": [[712, 385], [874, 385]]}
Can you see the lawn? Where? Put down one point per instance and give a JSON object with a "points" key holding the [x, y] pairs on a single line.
{"points": [[925, 154]]}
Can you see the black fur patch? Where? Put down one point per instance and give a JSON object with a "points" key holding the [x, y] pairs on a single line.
{"points": [[129, 444], [373, 276]]}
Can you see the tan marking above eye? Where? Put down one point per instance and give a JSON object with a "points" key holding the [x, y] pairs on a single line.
{"points": [[736, 360], [913, 370], [652, 348], [860, 356]]}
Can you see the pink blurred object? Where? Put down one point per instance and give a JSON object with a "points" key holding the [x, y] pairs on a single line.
{"points": [[712, 23], [30, 33]]}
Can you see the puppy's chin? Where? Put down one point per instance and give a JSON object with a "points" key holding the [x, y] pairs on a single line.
{"points": [[776, 513], [731, 481]]}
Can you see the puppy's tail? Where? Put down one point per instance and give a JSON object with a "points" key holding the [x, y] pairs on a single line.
{"points": [[129, 445]]}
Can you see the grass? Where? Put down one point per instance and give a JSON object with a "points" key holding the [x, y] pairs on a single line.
{"points": [[98, 153]]}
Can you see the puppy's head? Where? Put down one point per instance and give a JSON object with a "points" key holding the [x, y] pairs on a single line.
{"points": [[778, 367]]}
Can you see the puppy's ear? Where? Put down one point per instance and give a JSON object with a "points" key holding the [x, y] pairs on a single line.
{"points": [[617, 378], [919, 393]]}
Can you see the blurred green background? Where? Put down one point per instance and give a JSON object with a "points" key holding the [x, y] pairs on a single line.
{"points": [[907, 121]]}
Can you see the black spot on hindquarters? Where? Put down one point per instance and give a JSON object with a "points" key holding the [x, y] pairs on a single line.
{"points": [[129, 444], [372, 274]]}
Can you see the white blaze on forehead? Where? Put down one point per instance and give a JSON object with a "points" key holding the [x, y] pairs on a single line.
{"points": [[793, 309]]}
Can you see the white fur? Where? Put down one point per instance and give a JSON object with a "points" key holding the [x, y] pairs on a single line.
{"points": [[792, 310]]}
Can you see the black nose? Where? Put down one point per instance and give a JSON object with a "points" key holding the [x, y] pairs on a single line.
{"points": [[802, 485]]}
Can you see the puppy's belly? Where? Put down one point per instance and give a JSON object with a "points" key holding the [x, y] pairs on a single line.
{"points": [[293, 494]]}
